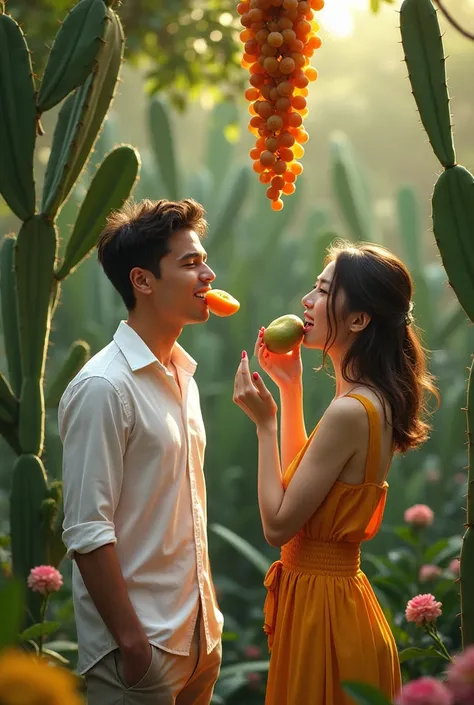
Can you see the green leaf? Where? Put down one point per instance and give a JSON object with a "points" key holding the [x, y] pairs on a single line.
{"points": [[11, 612], [230, 636], [55, 656], [406, 534], [431, 553], [414, 652], [243, 668], [108, 191], [452, 550], [364, 694], [37, 630], [62, 645], [261, 562]]}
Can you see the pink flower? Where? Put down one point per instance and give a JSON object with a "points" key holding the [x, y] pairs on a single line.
{"points": [[461, 677], [423, 608], [252, 651], [429, 572], [419, 515], [433, 475], [454, 566], [45, 579], [254, 679], [424, 691]]}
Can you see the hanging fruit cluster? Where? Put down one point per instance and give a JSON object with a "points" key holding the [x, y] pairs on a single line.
{"points": [[279, 38]]}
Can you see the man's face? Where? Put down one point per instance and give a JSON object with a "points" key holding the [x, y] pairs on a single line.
{"points": [[185, 277]]}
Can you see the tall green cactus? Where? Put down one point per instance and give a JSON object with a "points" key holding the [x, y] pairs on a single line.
{"points": [[351, 190], [82, 71], [453, 219]]}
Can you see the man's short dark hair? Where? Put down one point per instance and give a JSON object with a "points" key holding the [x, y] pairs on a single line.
{"points": [[138, 235]]}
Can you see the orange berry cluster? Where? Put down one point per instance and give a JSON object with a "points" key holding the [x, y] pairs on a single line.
{"points": [[279, 39]]}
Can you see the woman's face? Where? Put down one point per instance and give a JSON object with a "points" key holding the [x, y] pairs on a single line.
{"points": [[318, 307]]}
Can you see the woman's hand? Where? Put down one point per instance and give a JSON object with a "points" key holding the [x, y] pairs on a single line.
{"points": [[284, 370], [253, 397]]}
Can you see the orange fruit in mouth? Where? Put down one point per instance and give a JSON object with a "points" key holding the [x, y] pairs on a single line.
{"points": [[221, 303]]}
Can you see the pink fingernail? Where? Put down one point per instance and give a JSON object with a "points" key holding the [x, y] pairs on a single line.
{"points": [[255, 375], [244, 354]]}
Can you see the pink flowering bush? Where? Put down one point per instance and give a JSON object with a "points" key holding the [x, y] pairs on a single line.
{"points": [[252, 651], [254, 680], [424, 691], [45, 579], [429, 572], [422, 609], [461, 677], [454, 566], [420, 515]]}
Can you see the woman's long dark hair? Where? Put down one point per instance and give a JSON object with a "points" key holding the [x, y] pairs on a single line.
{"points": [[387, 355]]}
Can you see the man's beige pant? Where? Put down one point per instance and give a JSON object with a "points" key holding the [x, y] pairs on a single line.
{"points": [[170, 679]]}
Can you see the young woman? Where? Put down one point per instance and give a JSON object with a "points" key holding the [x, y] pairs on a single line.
{"points": [[327, 492]]}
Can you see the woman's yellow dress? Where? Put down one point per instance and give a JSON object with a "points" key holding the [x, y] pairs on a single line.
{"points": [[323, 621]]}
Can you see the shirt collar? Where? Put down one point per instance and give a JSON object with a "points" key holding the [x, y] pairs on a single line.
{"points": [[138, 354]]}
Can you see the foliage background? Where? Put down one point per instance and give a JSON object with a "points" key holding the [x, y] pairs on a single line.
{"points": [[269, 261]]}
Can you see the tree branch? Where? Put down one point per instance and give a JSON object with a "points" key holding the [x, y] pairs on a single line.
{"points": [[453, 21]]}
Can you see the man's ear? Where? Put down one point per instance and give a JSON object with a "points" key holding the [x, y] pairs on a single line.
{"points": [[360, 321], [141, 280]]}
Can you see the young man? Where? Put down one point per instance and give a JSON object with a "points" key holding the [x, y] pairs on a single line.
{"points": [[148, 624]]}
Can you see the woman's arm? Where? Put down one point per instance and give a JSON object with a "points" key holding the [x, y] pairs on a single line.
{"points": [[284, 513], [293, 434], [286, 371]]}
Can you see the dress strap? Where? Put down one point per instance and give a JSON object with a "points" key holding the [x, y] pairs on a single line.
{"points": [[374, 451]]}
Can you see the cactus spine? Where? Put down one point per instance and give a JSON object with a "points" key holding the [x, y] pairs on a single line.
{"points": [[82, 70], [453, 220]]}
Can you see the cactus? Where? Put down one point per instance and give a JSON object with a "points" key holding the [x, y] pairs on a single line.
{"points": [[80, 119], [453, 219], [351, 190], [78, 354], [162, 141], [86, 59], [73, 53], [17, 120], [9, 313], [219, 150], [467, 550], [408, 213]]}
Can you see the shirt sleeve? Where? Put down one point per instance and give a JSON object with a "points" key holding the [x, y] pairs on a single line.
{"points": [[94, 428]]}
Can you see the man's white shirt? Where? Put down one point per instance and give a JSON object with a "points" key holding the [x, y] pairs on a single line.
{"points": [[133, 453]]}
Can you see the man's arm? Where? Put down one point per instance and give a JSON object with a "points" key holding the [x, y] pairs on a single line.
{"points": [[102, 575], [94, 428]]}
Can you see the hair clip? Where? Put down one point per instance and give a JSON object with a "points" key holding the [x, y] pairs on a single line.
{"points": [[409, 314]]}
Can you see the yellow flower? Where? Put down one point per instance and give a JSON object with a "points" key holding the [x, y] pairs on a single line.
{"points": [[26, 679]]}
